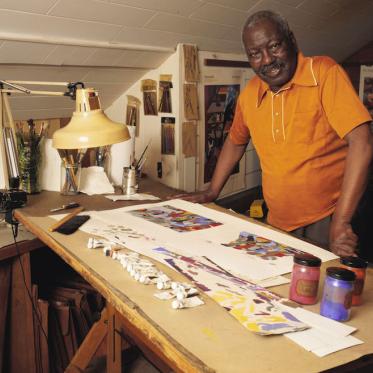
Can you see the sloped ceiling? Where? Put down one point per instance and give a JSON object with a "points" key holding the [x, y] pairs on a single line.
{"points": [[109, 44]]}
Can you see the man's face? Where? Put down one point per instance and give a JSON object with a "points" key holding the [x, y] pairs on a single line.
{"points": [[271, 55]]}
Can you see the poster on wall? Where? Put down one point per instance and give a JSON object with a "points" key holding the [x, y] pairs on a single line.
{"points": [[220, 104], [366, 87]]}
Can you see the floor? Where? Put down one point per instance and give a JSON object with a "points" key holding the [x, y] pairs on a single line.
{"points": [[135, 363]]}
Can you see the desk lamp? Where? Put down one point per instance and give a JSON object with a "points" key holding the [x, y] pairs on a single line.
{"points": [[89, 126]]}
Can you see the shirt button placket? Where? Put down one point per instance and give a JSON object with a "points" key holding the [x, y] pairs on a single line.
{"points": [[277, 117]]}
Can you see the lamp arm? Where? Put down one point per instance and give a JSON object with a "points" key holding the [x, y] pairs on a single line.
{"points": [[29, 82], [41, 93], [17, 87]]}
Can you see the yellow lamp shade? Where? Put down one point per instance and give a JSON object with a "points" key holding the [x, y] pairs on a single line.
{"points": [[89, 126]]}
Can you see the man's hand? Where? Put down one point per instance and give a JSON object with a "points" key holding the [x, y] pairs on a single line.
{"points": [[343, 240], [197, 197]]}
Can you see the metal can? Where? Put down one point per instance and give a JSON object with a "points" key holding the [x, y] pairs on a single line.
{"points": [[129, 181], [337, 295], [305, 278], [358, 266]]}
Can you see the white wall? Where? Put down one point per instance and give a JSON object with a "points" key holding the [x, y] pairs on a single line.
{"points": [[150, 125]]}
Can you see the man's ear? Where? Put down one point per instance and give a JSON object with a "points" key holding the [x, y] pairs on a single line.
{"points": [[293, 41]]}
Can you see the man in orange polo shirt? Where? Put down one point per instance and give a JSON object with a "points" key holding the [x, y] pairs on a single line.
{"points": [[311, 133]]}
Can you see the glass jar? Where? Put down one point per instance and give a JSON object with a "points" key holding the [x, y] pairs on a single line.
{"points": [[305, 278], [70, 178], [337, 295], [29, 159], [358, 266]]}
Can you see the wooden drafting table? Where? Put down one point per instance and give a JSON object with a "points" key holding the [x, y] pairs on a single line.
{"points": [[203, 339]]}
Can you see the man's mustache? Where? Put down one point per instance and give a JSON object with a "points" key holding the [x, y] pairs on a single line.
{"points": [[274, 65]]}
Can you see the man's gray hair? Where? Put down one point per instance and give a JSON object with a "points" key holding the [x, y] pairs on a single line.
{"points": [[276, 18]]}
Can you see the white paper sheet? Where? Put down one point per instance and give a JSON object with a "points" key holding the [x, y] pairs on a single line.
{"points": [[205, 242], [321, 343], [273, 281], [322, 323], [325, 335], [132, 197], [230, 222]]}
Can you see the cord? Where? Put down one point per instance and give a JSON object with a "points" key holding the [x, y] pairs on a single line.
{"points": [[28, 290]]}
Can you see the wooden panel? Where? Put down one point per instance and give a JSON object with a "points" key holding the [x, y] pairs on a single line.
{"points": [[5, 272], [11, 251]]}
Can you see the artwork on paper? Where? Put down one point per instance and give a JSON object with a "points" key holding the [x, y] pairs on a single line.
{"points": [[174, 218], [220, 105], [261, 247], [252, 305]]}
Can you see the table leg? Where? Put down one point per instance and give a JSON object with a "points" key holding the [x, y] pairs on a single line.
{"points": [[90, 345], [114, 342]]}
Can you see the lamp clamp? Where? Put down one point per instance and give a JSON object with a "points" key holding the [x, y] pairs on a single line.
{"points": [[72, 87]]}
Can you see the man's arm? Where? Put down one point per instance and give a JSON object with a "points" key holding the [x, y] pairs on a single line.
{"points": [[229, 156], [342, 239]]}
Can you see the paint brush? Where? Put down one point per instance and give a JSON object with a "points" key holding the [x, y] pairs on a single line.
{"points": [[143, 154]]}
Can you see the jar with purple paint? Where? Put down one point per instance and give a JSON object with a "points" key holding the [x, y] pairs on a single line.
{"points": [[337, 295]]}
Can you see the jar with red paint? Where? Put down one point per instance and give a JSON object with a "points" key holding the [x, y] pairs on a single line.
{"points": [[359, 266], [305, 278]]}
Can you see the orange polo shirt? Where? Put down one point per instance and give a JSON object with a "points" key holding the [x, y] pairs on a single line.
{"points": [[298, 134]]}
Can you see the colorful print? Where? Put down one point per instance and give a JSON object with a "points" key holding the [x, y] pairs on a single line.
{"points": [[174, 218], [255, 307], [261, 247]]}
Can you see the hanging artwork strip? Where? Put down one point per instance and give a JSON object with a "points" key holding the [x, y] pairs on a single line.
{"points": [[168, 135], [191, 110], [149, 89], [174, 218], [189, 138], [253, 306], [132, 112], [165, 85], [191, 68], [220, 105]]}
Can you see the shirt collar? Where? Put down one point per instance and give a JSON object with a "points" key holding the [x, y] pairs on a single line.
{"points": [[304, 76]]}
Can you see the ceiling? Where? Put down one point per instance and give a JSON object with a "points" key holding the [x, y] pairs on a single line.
{"points": [[110, 44]]}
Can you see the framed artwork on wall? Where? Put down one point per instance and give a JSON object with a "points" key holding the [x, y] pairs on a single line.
{"points": [[366, 87], [220, 105]]}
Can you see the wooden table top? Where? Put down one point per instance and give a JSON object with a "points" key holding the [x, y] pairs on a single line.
{"points": [[202, 339]]}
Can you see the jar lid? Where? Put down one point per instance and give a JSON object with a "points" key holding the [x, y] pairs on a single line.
{"points": [[354, 262], [340, 273], [307, 260]]}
